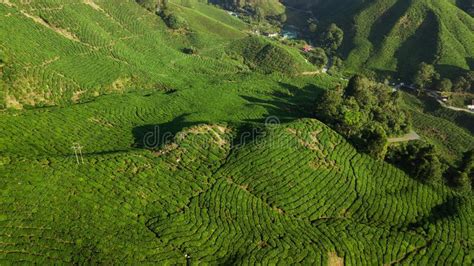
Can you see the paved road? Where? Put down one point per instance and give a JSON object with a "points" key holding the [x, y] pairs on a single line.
{"points": [[443, 104]]}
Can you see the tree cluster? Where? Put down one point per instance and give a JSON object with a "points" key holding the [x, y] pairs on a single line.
{"points": [[172, 20], [420, 160], [329, 38], [365, 112], [318, 57], [258, 10], [463, 176], [152, 5], [161, 8], [464, 82], [426, 77], [332, 38], [328, 41]]}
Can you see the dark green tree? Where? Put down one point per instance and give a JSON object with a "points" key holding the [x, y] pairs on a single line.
{"points": [[465, 82], [312, 26], [328, 107], [464, 176], [444, 85], [425, 76], [418, 159], [374, 142], [318, 57], [332, 38], [336, 63], [259, 14], [361, 88], [151, 5], [172, 20]]}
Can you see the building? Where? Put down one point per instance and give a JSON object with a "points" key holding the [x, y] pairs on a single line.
{"points": [[272, 35], [471, 106], [307, 48]]}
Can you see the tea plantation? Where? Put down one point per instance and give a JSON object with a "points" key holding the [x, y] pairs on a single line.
{"points": [[119, 147]]}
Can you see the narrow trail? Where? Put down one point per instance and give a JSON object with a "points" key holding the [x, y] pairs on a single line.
{"points": [[412, 135]]}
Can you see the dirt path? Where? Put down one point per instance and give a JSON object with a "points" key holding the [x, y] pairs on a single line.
{"points": [[407, 137], [311, 73]]}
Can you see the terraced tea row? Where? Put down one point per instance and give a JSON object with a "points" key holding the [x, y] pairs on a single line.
{"points": [[63, 52], [251, 214]]}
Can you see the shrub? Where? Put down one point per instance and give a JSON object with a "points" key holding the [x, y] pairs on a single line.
{"points": [[191, 50]]}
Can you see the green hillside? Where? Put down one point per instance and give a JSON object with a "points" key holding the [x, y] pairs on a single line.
{"points": [[393, 37], [294, 193], [182, 137], [65, 52]]}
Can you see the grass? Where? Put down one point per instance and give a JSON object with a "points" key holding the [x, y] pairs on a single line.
{"points": [[181, 164]]}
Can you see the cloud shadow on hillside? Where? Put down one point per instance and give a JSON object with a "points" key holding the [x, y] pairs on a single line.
{"points": [[154, 136], [446, 210], [288, 104]]}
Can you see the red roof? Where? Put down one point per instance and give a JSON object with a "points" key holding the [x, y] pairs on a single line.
{"points": [[307, 48]]}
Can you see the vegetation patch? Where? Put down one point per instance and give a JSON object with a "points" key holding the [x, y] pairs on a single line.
{"points": [[264, 56]]}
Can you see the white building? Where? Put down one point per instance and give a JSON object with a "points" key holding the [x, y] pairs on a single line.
{"points": [[471, 106]]}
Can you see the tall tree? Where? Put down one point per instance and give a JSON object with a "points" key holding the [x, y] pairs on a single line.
{"points": [[318, 57], [425, 76], [332, 38]]}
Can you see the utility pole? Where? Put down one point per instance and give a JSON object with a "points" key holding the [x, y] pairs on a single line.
{"points": [[75, 152], [78, 152], [79, 148]]}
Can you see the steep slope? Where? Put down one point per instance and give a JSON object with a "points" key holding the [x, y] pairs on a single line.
{"points": [[63, 52], [395, 36], [69, 51]]}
